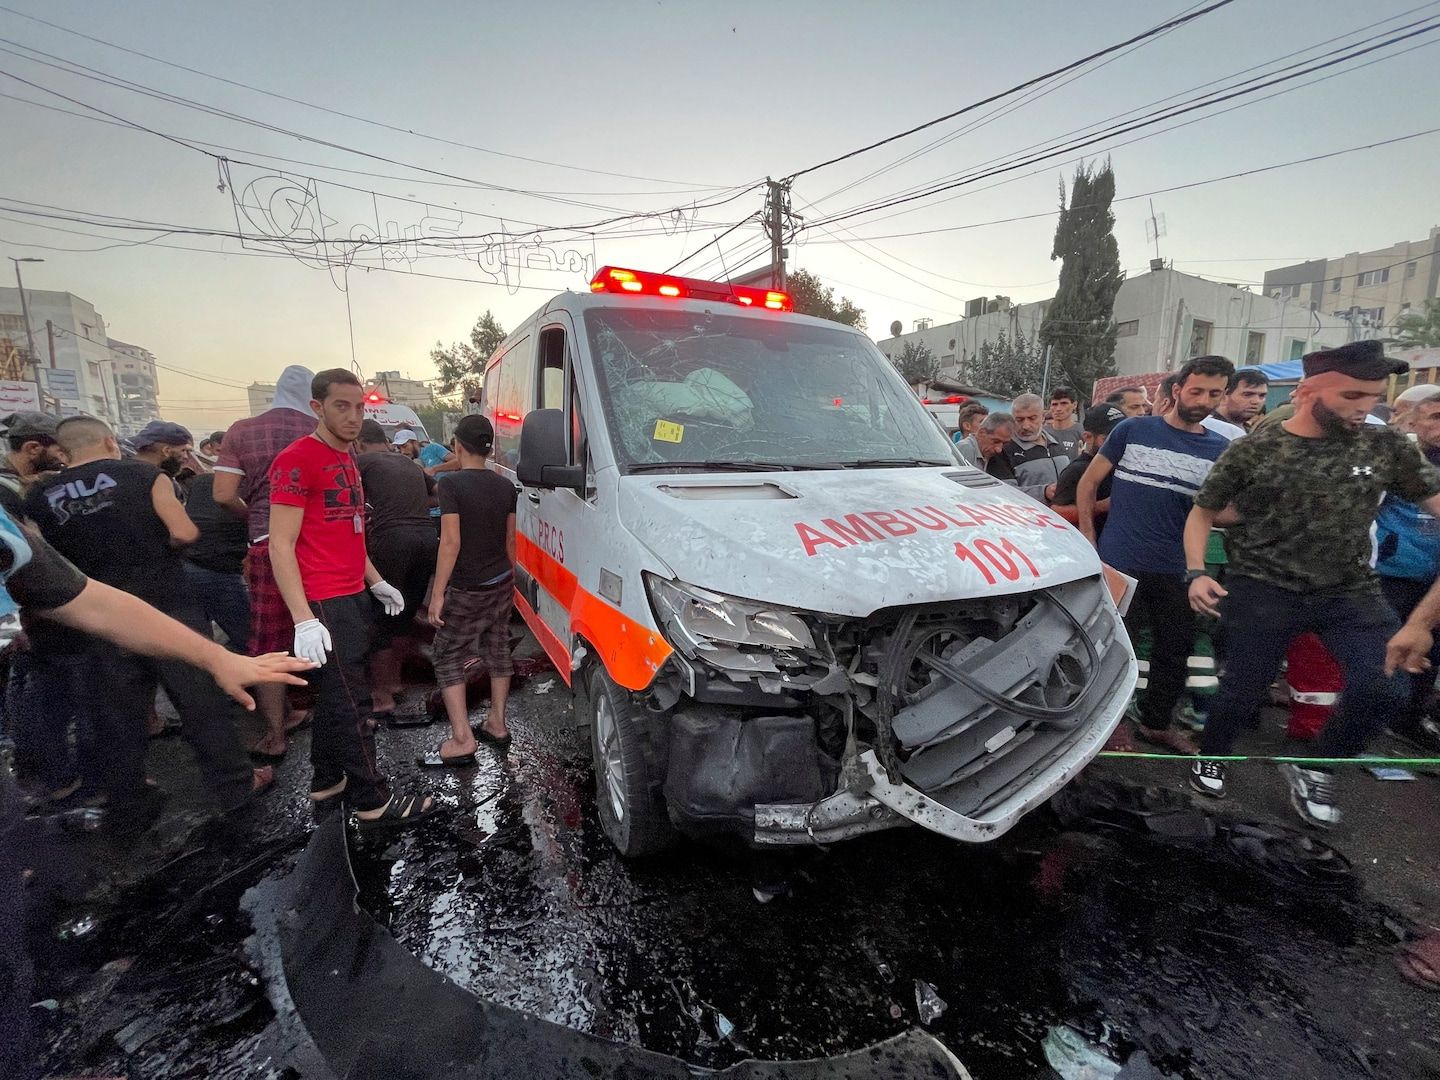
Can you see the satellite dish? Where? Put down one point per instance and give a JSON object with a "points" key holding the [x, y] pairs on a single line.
{"points": [[896, 328]]}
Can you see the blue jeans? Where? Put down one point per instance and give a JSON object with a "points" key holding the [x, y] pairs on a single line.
{"points": [[1260, 622], [224, 601]]}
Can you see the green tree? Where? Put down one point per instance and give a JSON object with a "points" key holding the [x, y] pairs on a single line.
{"points": [[1079, 326], [1414, 329], [1008, 368], [462, 366], [917, 363], [434, 420], [814, 297]]}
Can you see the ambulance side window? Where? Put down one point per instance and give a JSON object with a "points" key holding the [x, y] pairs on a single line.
{"points": [[511, 400], [552, 368]]}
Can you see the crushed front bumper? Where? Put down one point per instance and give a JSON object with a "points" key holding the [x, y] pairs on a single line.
{"points": [[972, 769]]}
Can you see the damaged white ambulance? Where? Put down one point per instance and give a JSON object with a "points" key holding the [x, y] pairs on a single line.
{"points": [[787, 610]]}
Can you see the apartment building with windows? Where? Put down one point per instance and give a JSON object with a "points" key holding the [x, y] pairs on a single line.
{"points": [[1370, 288]]}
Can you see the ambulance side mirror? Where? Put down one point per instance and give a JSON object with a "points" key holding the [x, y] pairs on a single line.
{"points": [[544, 461]]}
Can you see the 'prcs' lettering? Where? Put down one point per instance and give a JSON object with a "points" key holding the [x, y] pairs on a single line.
{"points": [[550, 540]]}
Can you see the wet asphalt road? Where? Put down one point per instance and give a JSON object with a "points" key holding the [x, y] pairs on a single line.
{"points": [[1210, 967]]}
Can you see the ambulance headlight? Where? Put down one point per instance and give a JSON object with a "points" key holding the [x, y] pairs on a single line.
{"points": [[697, 621]]}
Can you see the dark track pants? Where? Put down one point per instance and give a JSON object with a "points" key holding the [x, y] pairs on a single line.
{"points": [[1261, 620], [340, 742], [1161, 604], [120, 689]]}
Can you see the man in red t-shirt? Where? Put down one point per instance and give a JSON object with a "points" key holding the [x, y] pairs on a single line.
{"points": [[317, 551]]}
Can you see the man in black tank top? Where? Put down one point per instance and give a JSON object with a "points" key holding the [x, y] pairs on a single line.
{"points": [[121, 523]]}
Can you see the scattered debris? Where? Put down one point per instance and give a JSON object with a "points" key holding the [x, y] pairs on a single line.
{"points": [[545, 687], [1390, 772], [77, 927], [1072, 1056], [928, 1002]]}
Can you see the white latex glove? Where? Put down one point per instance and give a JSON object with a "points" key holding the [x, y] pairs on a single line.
{"points": [[312, 641], [389, 597]]}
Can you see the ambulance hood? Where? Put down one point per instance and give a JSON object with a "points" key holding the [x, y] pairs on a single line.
{"points": [[852, 541]]}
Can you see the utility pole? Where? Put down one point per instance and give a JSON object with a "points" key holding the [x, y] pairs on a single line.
{"points": [[25, 313], [777, 210]]}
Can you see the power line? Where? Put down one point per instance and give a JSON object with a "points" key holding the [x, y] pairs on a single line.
{"points": [[1031, 96], [1152, 32], [348, 116], [1170, 97], [712, 243], [622, 216], [1145, 194], [1145, 122]]}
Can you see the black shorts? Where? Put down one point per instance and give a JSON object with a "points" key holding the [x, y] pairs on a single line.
{"points": [[406, 559]]}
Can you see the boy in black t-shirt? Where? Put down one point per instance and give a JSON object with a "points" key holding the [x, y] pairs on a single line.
{"points": [[474, 590], [120, 523], [1100, 420]]}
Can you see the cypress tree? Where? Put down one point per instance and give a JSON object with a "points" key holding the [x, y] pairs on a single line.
{"points": [[1079, 326]]}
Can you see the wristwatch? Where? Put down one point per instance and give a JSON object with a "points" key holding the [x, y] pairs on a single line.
{"points": [[1191, 575]]}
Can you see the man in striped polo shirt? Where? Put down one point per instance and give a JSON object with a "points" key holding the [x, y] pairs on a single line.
{"points": [[1159, 463]]}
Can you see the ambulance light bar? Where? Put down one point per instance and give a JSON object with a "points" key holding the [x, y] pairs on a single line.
{"points": [[614, 279]]}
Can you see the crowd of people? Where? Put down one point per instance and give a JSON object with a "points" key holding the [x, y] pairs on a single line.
{"points": [[300, 545], [1244, 529]]}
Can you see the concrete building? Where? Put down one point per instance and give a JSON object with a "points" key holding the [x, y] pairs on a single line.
{"points": [[261, 395], [137, 386], [69, 335], [1370, 288], [1162, 318], [403, 391]]}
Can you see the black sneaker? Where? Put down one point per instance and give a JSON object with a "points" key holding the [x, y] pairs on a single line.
{"points": [[1312, 794], [1208, 778]]}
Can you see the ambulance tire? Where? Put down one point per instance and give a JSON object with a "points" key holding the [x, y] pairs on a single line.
{"points": [[625, 772]]}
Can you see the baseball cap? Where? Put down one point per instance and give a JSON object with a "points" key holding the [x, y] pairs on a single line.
{"points": [[1359, 360], [26, 426], [1101, 419], [475, 433], [405, 436], [162, 432]]}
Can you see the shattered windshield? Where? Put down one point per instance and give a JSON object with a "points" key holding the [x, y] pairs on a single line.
{"points": [[696, 388]]}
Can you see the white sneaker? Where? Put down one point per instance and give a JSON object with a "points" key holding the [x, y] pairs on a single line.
{"points": [[1208, 778], [1312, 794]]}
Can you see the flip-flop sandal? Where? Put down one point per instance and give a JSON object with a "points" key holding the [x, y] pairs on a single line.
{"points": [[436, 760], [500, 742], [305, 715], [398, 719], [402, 811]]}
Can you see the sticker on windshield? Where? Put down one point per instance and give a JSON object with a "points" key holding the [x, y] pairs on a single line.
{"points": [[668, 431]]}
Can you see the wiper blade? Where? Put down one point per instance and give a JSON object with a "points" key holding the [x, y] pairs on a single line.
{"points": [[711, 466], [894, 463]]}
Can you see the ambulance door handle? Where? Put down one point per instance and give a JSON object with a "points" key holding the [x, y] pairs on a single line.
{"points": [[534, 497]]}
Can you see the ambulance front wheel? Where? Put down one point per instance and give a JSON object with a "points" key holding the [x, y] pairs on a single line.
{"points": [[627, 786]]}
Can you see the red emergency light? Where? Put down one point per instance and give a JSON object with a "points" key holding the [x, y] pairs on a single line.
{"points": [[953, 399], [374, 397], [614, 279]]}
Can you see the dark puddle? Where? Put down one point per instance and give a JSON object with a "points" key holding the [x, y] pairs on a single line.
{"points": [[155, 983], [1208, 965]]}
